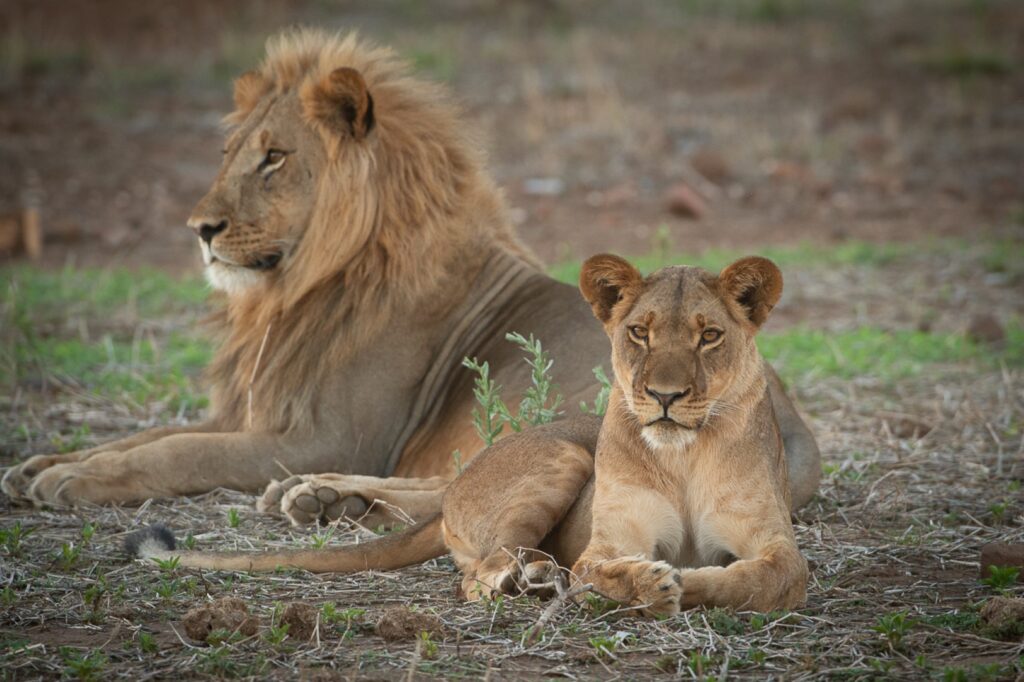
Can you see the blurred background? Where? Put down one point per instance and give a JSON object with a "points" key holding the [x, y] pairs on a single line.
{"points": [[612, 125]]}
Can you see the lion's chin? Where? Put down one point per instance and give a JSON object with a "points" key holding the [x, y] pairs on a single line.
{"points": [[663, 436], [231, 279]]}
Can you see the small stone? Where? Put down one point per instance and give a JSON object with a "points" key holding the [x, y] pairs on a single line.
{"points": [[301, 620], [682, 201], [399, 622], [227, 615], [1003, 554], [985, 328], [543, 187]]}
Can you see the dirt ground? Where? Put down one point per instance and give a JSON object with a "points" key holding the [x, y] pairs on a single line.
{"points": [[793, 122]]}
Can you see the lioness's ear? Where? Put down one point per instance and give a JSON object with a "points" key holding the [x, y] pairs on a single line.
{"points": [[342, 103], [755, 284], [604, 280]]}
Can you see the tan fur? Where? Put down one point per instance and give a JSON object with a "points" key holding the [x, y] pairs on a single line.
{"points": [[357, 271], [717, 506]]}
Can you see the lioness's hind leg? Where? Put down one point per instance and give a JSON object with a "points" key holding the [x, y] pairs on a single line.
{"points": [[372, 502], [504, 505]]}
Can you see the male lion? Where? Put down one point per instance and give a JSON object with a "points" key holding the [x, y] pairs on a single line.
{"points": [[689, 468], [363, 251]]}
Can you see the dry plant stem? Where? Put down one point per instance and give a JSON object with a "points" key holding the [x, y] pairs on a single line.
{"points": [[563, 596], [252, 377]]}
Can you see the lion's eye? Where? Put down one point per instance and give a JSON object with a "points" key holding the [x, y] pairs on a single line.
{"points": [[638, 333], [272, 161], [710, 336]]}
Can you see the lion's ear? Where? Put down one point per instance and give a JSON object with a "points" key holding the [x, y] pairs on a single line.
{"points": [[604, 280], [249, 88], [342, 102], [754, 284]]}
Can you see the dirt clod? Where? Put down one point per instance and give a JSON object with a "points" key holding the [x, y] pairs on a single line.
{"points": [[1002, 554], [399, 622], [985, 328], [1005, 615], [301, 620], [229, 614], [684, 202]]}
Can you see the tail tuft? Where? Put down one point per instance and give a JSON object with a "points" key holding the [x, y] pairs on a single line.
{"points": [[148, 541]]}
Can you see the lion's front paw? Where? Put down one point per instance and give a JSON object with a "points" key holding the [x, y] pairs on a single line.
{"points": [[310, 500], [66, 485], [18, 478]]}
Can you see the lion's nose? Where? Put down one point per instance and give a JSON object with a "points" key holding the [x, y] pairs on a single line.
{"points": [[207, 229], [666, 399]]}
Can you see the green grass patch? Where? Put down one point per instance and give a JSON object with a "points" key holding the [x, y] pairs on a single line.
{"points": [[137, 373], [37, 342], [801, 255], [803, 354], [94, 292]]}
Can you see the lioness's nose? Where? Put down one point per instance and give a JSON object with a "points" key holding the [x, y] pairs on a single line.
{"points": [[666, 399], [206, 228]]}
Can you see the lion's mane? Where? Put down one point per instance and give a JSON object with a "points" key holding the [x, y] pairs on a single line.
{"points": [[397, 216]]}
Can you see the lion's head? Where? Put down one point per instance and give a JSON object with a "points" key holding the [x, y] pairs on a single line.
{"points": [[349, 192], [332, 149], [682, 339]]}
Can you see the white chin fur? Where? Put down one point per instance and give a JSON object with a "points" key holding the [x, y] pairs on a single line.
{"points": [[231, 280], [668, 438]]}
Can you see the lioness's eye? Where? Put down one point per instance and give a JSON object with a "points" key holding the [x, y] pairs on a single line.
{"points": [[273, 159], [710, 336], [638, 333]]}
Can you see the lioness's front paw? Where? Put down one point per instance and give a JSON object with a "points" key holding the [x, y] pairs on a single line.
{"points": [[310, 500], [659, 586], [655, 587]]}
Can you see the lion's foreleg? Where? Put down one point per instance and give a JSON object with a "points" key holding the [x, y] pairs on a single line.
{"points": [[17, 479], [179, 464]]}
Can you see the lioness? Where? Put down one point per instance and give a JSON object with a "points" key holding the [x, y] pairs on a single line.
{"points": [[689, 467], [362, 250]]}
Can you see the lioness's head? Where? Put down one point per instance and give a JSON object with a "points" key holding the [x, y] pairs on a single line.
{"points": [[682, 339]]}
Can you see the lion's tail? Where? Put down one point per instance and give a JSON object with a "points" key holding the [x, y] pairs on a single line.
{"points": [[410, 546]]}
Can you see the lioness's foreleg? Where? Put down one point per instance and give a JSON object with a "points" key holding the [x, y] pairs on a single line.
{"points": [[18, 478], [179, 464], [769, 573], [629, 524], [368, 500]]}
